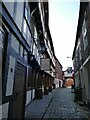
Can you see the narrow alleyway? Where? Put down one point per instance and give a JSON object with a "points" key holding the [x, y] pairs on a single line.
{"points": [[63, 106]]}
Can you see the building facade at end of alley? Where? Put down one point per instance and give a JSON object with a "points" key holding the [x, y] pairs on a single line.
{"points": [[28, 65], [81, 53]]}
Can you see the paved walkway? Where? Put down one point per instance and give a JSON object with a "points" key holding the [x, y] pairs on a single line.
{"points": [[63, 106], [38, 107], [58, 104]]}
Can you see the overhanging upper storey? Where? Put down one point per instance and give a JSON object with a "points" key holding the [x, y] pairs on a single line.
{"points": [[35, 13]]}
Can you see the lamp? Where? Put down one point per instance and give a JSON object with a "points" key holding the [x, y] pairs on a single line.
{"points": [[30, 56]]}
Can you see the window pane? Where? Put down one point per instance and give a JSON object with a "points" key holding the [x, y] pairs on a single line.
{"points": [[15, 44], [26, 13], [1, 52], [24, 28], [21, 50], [28, 36], [35, 33], [25, 55], [1, 39]]}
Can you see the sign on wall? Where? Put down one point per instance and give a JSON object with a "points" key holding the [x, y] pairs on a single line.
{"points": [[45, 64]]}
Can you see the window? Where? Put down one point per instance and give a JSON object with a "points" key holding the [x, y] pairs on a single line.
{"points": [[80, 56], [1, 59], [26, 24], [25, 55], [35, 34], [79, 49], [1, 39], [21, 50], [76, 56], [27, 13], [28, 37], [34, 49], [15, 43], [84, 33], [24, 29], [3, 50]]}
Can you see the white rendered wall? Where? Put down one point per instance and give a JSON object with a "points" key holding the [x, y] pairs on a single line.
{"points": [[28, 97]]}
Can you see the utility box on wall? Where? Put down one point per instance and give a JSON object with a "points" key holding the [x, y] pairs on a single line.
{"points": [[45, 64]]}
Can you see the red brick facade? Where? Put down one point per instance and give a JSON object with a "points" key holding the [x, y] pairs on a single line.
{"points": [[58, 70]]}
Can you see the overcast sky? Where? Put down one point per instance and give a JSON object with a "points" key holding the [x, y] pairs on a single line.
{"points": [[63, 20]]}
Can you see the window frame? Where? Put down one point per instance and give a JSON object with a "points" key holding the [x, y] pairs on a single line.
{"points": [[26, 19], [84, 32]]}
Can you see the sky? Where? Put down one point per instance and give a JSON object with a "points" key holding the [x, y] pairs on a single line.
{"points": [[63, 21]]}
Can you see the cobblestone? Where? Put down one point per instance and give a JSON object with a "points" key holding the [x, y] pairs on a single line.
{"points": [[63, 106]]}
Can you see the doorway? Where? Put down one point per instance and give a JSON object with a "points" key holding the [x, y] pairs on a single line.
{"points": [[17, 105]]}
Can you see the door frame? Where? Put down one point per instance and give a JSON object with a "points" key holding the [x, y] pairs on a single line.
{"points": [[19, 62], [24, 91]]}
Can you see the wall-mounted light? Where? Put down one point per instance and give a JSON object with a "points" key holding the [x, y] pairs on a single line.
{"points": [[30, 56]]}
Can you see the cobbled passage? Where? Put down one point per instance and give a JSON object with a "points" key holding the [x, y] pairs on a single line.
{"points": [[63, 106]]}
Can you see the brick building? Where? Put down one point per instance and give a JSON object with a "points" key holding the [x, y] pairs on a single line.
{"points": [[58, 74]]}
